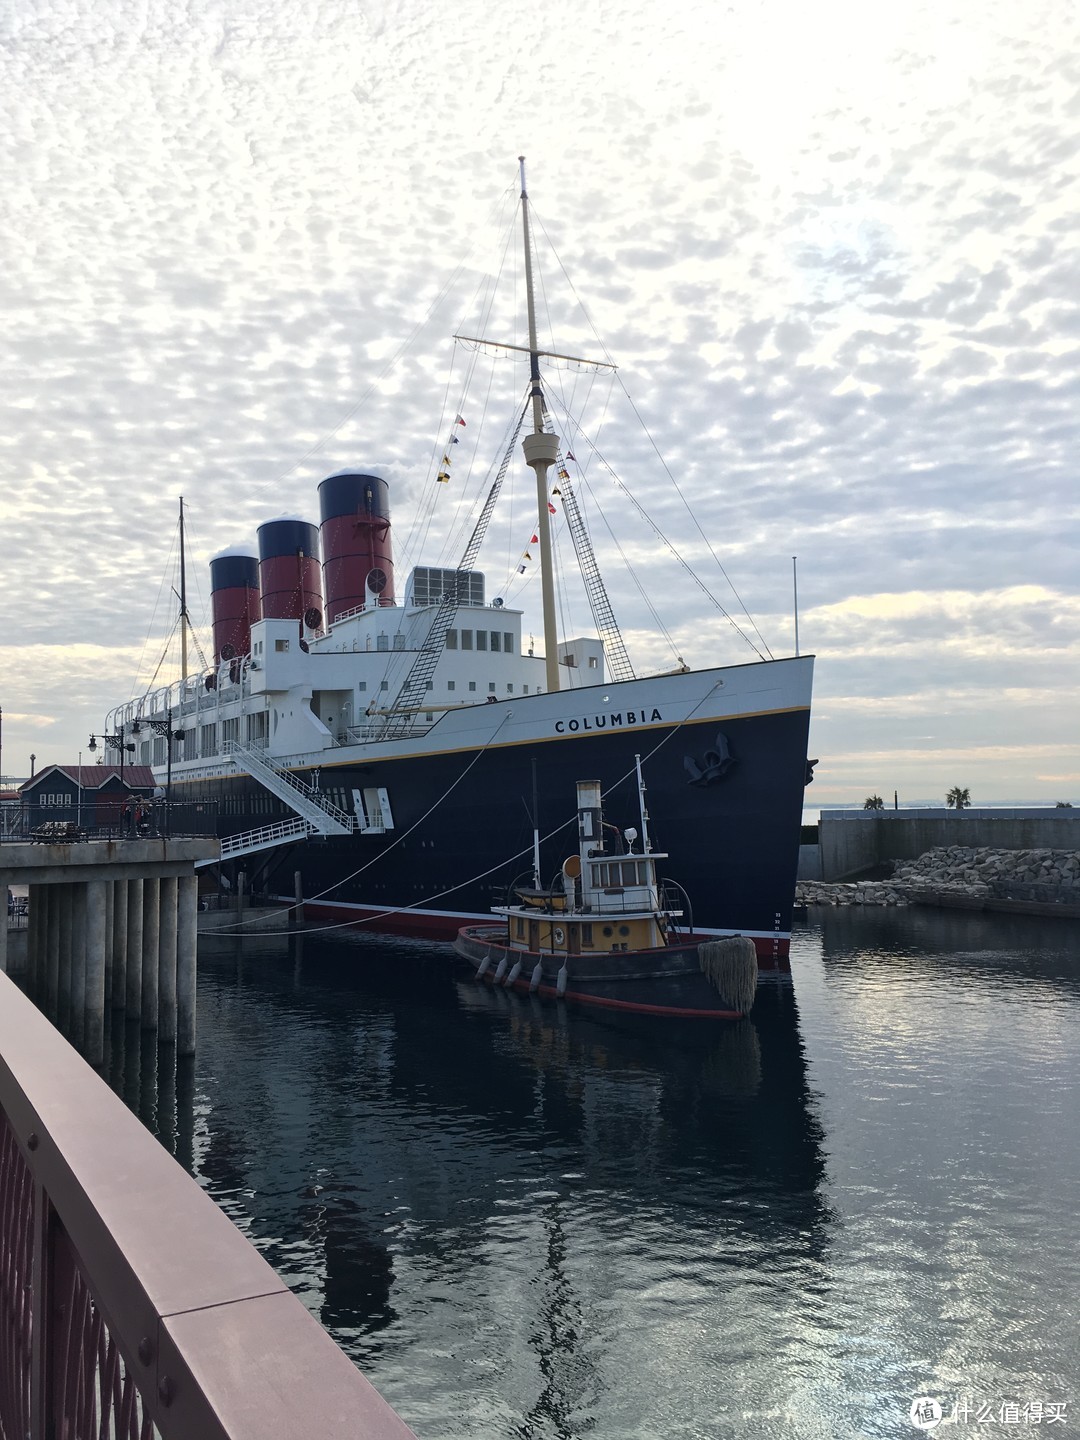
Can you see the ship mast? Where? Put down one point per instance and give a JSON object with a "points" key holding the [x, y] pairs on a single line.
{"points": [[541, 451]]}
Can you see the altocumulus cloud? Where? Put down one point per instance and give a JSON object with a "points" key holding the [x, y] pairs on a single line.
{"points": [[831, 250]]}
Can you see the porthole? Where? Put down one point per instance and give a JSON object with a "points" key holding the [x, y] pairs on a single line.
{"points": [[624, 929], [608, 930]]}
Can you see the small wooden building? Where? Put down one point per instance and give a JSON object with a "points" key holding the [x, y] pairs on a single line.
{"points": [[86, 795]]}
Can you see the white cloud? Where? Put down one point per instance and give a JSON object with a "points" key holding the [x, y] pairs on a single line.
{"points": [[831, 249]]}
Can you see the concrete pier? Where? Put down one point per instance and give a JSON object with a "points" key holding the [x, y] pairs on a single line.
{"points": [[111, 924]]}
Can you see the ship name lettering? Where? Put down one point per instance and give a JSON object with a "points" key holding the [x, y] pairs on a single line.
{"points": [[604, 722]]}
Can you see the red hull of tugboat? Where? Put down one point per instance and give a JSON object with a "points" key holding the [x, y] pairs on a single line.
{"points": [[664, 982]]}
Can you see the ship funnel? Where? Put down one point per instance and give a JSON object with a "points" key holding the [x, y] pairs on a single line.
{"points": [[289, 575], [234, 602], [358, 564]]}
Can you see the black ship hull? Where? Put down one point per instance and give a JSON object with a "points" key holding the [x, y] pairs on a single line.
{"points": [[725, 804]]}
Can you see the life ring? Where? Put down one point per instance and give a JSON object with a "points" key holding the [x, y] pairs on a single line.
{"points": [[558, 936]]}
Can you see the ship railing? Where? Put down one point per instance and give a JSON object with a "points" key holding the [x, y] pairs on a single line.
{"points": [[245, 842], [342, 818], [138, 1308]]}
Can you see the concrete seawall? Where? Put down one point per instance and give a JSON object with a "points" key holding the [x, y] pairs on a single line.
{"points": [[854, 841]]}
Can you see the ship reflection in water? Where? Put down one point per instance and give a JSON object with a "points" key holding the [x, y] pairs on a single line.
{"points": [[525, 1221]]}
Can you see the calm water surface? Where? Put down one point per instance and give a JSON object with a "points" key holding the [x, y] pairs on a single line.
{"points": [[523, 1222]]}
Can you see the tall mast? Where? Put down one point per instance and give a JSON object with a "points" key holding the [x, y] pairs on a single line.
{"points": [[183, 601], [541, 451]]}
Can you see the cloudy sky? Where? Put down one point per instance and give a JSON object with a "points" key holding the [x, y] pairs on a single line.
{"points": [[832, 249]]}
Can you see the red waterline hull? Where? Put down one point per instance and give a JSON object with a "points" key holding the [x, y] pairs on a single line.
{"points": [[667, 982], [773, 950]]}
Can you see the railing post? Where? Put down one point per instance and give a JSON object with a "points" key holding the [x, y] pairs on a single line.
{"points": [[43, 1320]]}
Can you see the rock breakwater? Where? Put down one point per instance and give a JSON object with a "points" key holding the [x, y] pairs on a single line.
{"points": [[961, 875]]}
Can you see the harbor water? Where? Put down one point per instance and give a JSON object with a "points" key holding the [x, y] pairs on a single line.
{"points": [[525, 1221]]}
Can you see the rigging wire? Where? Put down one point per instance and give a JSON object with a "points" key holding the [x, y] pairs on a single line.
{"points": [[481, 875], [678, 490]]}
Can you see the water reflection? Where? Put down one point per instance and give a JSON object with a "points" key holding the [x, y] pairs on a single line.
{"points": [[524, 1220]]}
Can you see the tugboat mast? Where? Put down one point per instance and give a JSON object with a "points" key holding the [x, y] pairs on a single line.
{"points": [[541, 451]]}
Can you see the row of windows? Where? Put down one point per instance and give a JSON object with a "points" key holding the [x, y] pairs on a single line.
{"points": [[480, 640], [384, 685], [622, 872]]}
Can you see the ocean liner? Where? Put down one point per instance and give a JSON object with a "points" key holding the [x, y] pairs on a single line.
{"points": [[399, 752]]}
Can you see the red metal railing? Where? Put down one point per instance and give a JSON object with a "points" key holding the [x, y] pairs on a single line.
{"points": [[130, 1305]]}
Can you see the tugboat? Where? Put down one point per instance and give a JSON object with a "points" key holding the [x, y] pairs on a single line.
{"points": [[607, 932]]}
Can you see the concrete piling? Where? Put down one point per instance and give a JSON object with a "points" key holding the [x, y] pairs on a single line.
{"points": [[133, 963], [151, 936], [96, 897], [112, 925], [167, 961], [187, 908]]}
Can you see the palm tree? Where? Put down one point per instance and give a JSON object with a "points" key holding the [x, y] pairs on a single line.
{"points": [[958, 799], [873, 802]]}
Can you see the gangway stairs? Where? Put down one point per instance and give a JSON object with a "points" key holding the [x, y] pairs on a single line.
{"points": [[248, 842], [322, 816]]}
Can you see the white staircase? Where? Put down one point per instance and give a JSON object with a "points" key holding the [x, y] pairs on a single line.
{"points": [[247, 842], [322, 817]]}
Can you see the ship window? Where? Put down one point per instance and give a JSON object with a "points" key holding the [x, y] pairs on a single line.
{"points": [[384, 684], [521, 927], [399, 641], [382, 642], [491, 687], [481, 639], [570, 661], [431, 684], [451, 639], [525, 689], [509, 689], [466, 639], [472, 684], [451, 685], [586, 935], [281, 645], [592, 662], [508, 642], [361, 685], [496, 639], [429, 716]]}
